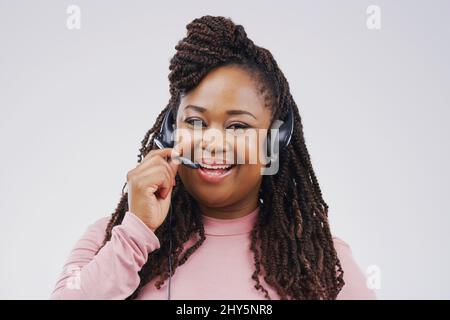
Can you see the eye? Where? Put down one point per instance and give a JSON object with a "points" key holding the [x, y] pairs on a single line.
{"points": [[235, 126], [192, 121]]}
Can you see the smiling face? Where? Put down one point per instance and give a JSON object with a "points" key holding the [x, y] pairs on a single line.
{"points": [[227, 99]]}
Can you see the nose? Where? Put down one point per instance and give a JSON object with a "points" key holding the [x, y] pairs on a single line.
{"points": [[214, 142]]}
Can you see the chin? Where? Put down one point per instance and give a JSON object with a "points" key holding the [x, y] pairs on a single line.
{"points": [[213, 199]]}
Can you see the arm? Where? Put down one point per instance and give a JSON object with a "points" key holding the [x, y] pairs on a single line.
{"points": [[355, 287], [113, 272]]}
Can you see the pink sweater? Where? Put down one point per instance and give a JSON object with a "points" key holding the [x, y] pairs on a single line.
{"points": [[221, 268]]}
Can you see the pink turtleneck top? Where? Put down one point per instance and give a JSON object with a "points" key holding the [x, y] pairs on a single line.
{"points": [[221, 268]]}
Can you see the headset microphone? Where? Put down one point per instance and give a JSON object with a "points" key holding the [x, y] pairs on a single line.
{"points": [[165, 139]]}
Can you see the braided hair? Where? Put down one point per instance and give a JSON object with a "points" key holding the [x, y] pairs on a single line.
{"points": [[291, 239]]}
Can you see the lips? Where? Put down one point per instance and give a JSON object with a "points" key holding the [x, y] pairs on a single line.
{"points": [[215, 173]]}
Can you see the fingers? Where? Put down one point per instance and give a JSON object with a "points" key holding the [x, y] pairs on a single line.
{"points": [[155, 171], [168, 153], [147, 171], [157, 160], [155, 179]]}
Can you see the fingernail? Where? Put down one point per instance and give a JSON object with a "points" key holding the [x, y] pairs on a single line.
{"points": [[177, 160]]}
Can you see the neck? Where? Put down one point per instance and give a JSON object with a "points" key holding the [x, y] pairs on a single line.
{"points": [[236, 210]]}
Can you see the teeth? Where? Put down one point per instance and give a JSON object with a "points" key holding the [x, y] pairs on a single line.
{"points": [[207, 166], [212, 173]]}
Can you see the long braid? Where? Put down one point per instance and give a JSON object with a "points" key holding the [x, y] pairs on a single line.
{"points": [[291, 241]]}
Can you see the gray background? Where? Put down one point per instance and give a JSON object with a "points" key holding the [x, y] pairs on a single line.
{"points": [[74, 106]]}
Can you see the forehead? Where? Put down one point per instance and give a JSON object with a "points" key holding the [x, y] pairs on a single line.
{"points": [[226, 87]]}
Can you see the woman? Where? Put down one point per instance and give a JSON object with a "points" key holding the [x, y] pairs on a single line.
{"points": [[233, 233]]}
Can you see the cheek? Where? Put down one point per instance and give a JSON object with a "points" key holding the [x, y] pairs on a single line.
{"points": [[250, 151], [246, 179], [183, 172], [248, 173]]}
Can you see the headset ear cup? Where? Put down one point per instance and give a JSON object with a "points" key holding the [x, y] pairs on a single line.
{"points": [[286, 130], [268, 150], [283, 136], [167, 130]]}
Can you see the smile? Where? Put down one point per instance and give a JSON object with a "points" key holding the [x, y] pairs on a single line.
{"points": [[216, 167], [215, 173]]}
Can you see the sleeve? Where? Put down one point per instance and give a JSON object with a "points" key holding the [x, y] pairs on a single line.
{"points": [[355, 287], [113, 272]]}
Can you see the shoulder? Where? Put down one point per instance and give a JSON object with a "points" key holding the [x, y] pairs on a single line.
{"points": [[340, 244], [343, 249], [94, 233], [355, 286], [99, 225]]}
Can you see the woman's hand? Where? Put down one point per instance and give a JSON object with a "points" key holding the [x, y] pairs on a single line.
{"points": [[150, 186]]}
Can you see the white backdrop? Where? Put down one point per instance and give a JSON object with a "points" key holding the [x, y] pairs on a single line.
{"points": [[75, 104]]}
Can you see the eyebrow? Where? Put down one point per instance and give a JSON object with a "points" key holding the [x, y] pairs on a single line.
{"points": [[230, 112]]}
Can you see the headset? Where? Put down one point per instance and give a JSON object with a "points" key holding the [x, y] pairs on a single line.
{"points": [[165, 139]]}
